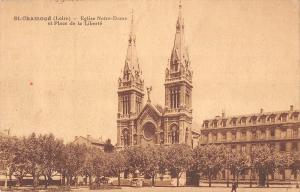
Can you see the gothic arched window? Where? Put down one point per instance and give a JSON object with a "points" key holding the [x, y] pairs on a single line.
{"points": [[186, 135], [125, 135], [175, 134]]}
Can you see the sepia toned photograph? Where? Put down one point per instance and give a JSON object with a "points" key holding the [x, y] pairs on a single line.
{"points": [[150, 95]]}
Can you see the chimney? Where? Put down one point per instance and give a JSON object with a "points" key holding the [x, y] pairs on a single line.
{"points": [[291, 107], [261, 110], [223, 113]]}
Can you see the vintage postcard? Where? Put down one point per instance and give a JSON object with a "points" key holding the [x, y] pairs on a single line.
{"points": [[150, 95]]}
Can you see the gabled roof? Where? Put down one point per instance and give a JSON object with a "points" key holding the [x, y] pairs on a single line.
{"points": [[250, 117], [90, 139], [156, 109]]}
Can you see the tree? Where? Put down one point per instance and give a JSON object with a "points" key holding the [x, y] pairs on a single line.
{"points": [[266, 161], [19, 163], [117, 163], [100, 165], [152, 162], [50, 154], [209, 160], [295, 166], [32, 156], [74, 161], [8, 147], [179, 158], [137, 159], [87, 169], [237, 163]]}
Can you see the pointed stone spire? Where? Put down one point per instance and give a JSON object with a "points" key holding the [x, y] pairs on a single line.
{"points": [[179, 54], [132, 74], [131, 61]]}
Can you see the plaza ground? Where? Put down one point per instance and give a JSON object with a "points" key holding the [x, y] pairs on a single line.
{"points": [[194, 189]]}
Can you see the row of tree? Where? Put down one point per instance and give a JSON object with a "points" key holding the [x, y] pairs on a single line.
{"points": [[46, 156]]}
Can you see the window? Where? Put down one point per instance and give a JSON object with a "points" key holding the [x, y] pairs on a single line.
{"points": [[243, 121], [272, 133], [263, 119], [295, 116], [233, 148], [283, 117], [206, 124], [214, 136], [233, 122], [295, 133], [294, 146], [282, 147], [254, 135], [187, 98], [244, 135], [233, 136], [125, 139], [243, 148], [224, 136], [253, 120], [215, 123], [205, 137], [272, 146], [283, 133], [175, 97], [263, 134], [224, 123], [126, 105], [175, 134], [272, 118]]}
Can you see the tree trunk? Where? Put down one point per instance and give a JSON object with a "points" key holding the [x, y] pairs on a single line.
{"points": [[250, 178], [268, 180], [237, 179], [227, 175], [21, 180], [90, 180], [10, 181], [46, 181], [177, 180], [209, 180], [119, 177], [33, 180], [153, 181]]}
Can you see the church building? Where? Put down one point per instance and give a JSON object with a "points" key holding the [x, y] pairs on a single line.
{"points": [[144, 123]]}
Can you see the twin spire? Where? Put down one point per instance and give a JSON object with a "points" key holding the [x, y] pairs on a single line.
{"points": [[179, 57], [131, 62]]}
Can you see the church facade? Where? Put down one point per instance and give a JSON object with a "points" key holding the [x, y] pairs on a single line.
{"points": [[141, 123]]}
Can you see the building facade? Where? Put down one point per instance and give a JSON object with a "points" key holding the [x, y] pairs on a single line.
{"points": [[149, 124], [280, 130], [89, 141]]}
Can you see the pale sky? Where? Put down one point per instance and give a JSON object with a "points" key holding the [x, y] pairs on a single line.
{"points": [[63, 79]]}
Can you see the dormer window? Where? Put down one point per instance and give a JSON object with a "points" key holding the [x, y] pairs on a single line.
{"points": [[283, 117], [233, 122], [272, 118], [215, 123], [223, 123], [243, 120], [253, 120], [206, 124], [295, 116], [263, 119]]}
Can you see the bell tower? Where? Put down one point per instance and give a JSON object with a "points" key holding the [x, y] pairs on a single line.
{"points": [[130, 92], [178, 89]]}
